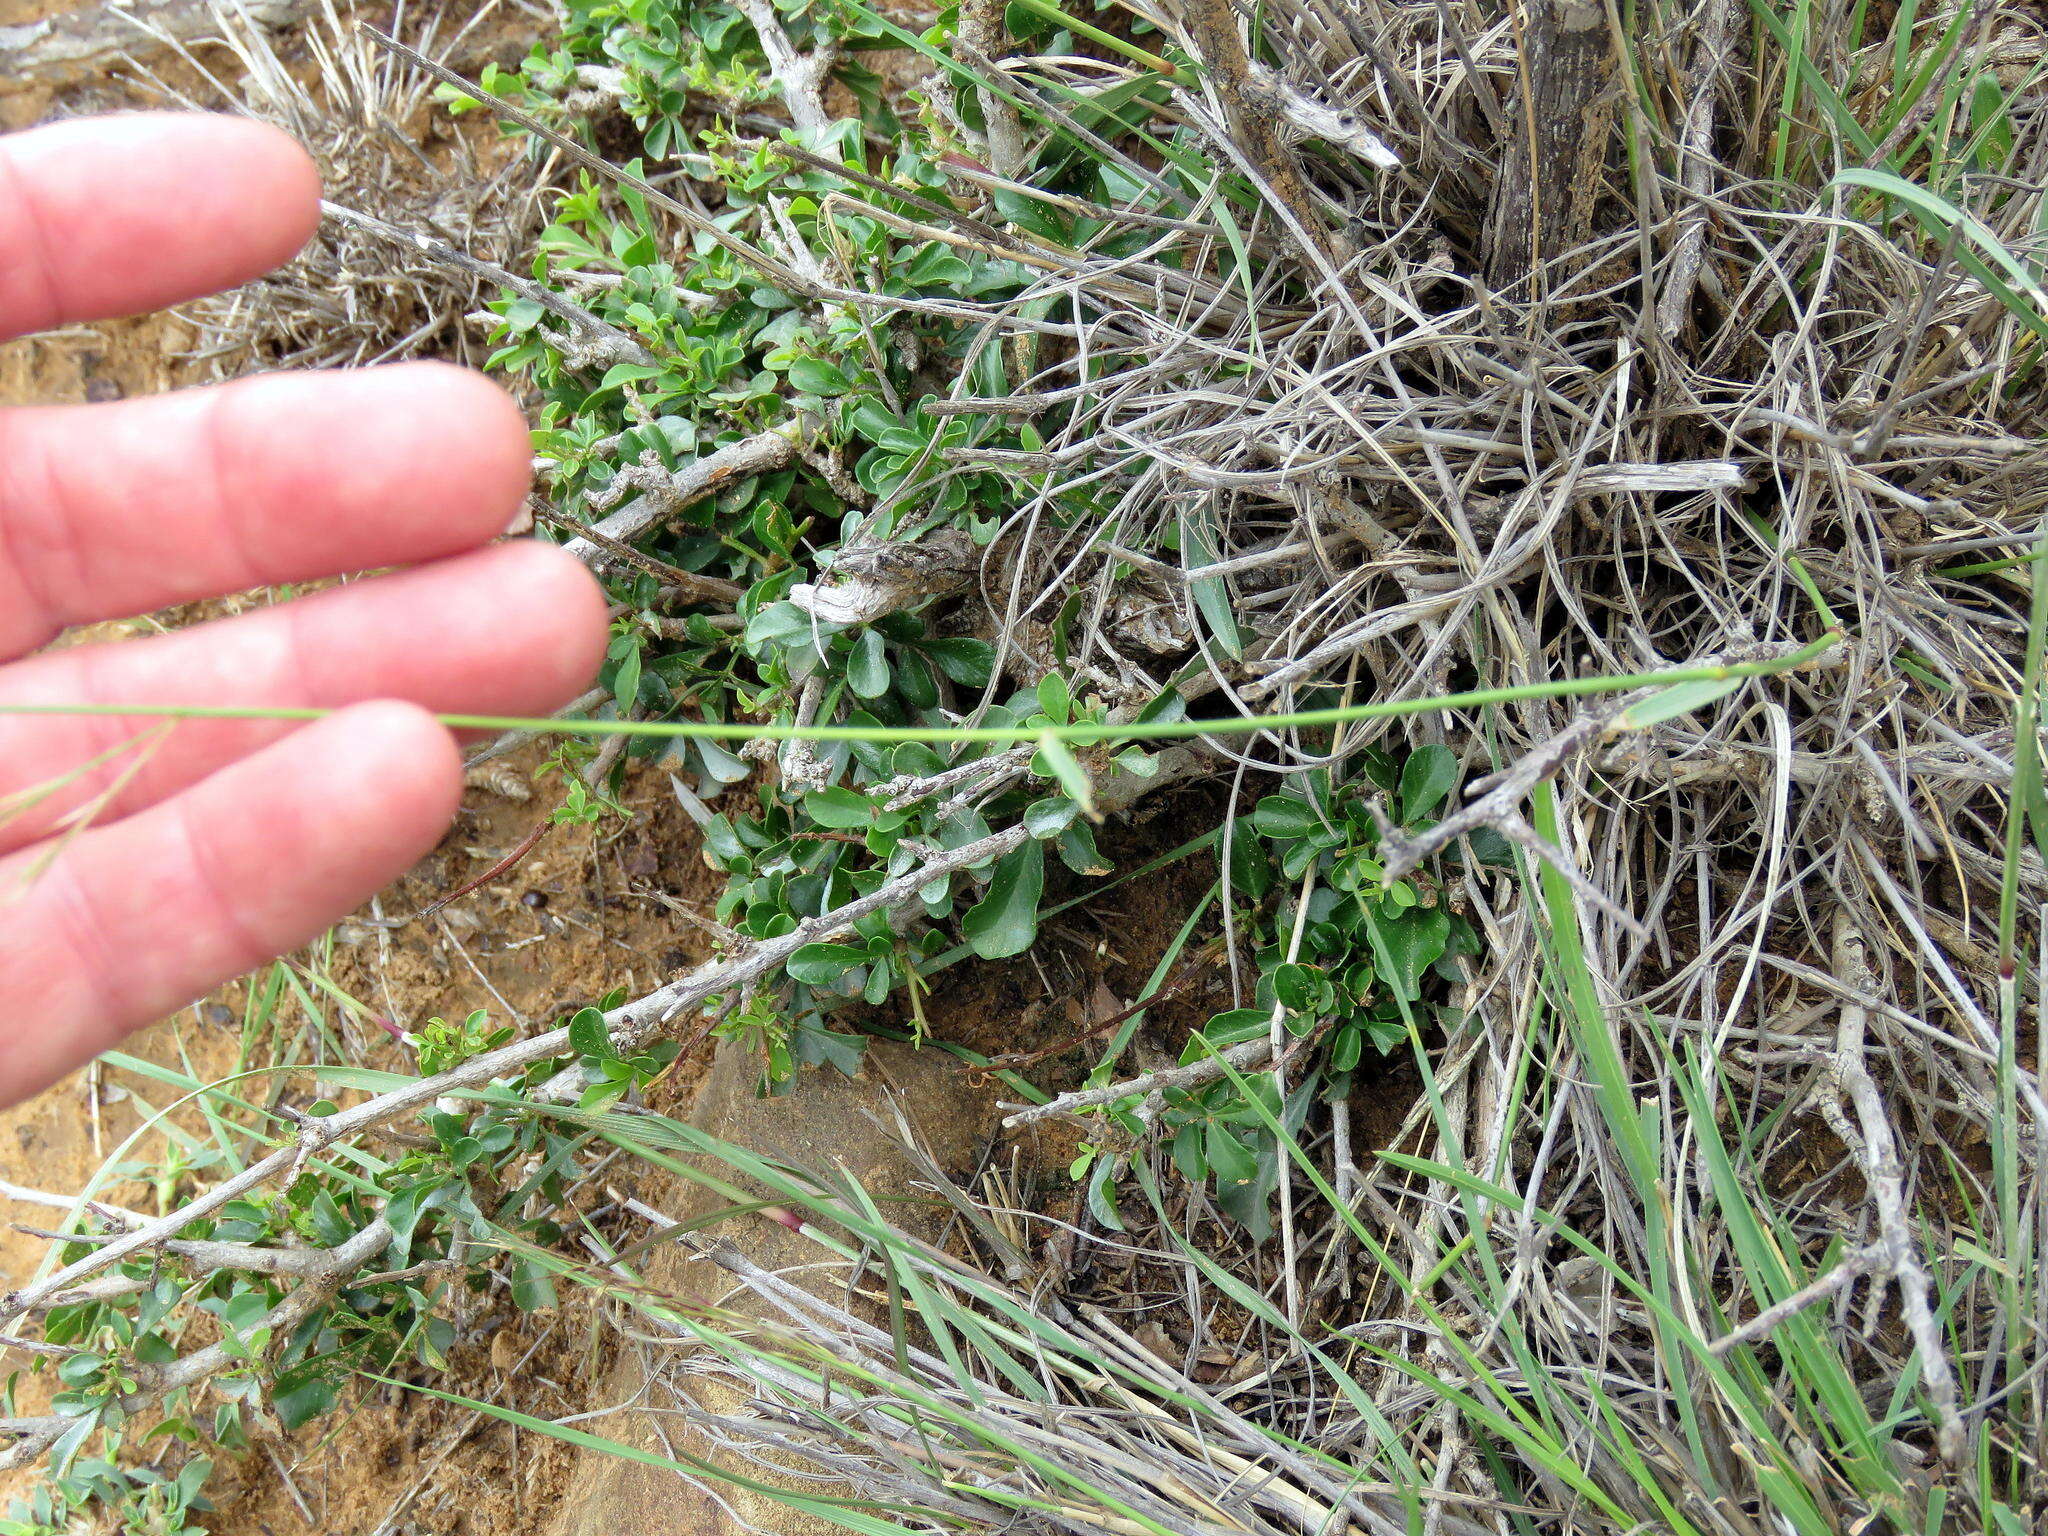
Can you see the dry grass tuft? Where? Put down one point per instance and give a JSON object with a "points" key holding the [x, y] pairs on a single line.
{"points": [[384, 146], [1770, 1065]]}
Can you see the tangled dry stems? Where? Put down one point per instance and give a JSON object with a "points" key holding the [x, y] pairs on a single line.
{"points": [[1730, 415], [353, 297], [1744, 419]]}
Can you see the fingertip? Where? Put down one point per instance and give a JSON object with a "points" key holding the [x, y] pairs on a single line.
{"points": [[522, 628], [454, 388], [404, 748], [354, 467], [364, 793], [127, 921], [565, 616], [486, 430], [277, 177], [452, 453], [261, 187], [126, 213]]}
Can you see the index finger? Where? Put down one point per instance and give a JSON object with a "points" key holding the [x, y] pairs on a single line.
{"points": [[109, 216]]}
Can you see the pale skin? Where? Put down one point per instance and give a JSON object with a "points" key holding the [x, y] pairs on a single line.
{"points": [[232, 842]]}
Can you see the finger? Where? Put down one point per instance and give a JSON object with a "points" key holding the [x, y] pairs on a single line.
{"points": [[109, 510], [517, 629], [134, 920], [119, 215]]}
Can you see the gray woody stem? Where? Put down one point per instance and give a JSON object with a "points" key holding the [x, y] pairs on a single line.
{"points": [[597, 342], [327, 1270], [630, 1026]]}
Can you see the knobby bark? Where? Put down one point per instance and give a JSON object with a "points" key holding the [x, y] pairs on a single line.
{"points": [[1254, 116], [1555, 168]]}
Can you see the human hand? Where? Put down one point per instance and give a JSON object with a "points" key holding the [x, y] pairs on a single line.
{"points": [[228, 842]]}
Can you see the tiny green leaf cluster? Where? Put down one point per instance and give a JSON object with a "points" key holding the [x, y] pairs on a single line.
{"points": [[1352, 963], [722, 355], [464, 1208]]}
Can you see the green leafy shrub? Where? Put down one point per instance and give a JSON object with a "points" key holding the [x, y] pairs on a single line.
{"points": [[724, 353], [1350, 965], [479, 1193]]}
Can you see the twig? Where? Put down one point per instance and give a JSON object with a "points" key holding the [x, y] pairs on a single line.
{"points": [[326, 1271], [1308, 114], [800, 78], [801, 766], [512, 741], [689, 586], [871, 581], [906, 790], [1876, 1151], [598, 343], [1855, 1264], [1253, 112], [112, 1213], [1247, 1053], [1696, 169], [663, 494], [981, 29], [1502, 793], [518, 851], [630, 1025], [1276, 1048], [1551, 178]]}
